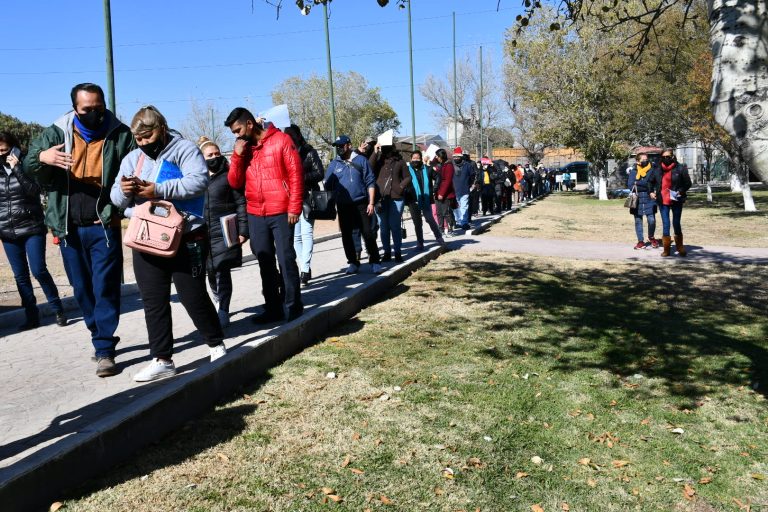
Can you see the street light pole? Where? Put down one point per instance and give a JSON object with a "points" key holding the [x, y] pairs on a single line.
{"points": [[330, 71], [410, 54], [110, 64], [481, 103], [455, 92]]}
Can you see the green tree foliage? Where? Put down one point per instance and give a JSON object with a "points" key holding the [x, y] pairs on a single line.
{"points": [[360, 110], [23, 131]]}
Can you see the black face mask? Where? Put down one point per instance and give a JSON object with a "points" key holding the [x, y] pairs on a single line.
{"points": [[643, 163], [214, 163], [457, 161], [417, 164], [153, 149], [92, 120], [668, 160], [3, 159]]}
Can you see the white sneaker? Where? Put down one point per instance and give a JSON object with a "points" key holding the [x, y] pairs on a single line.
{"points": [[156, 369], [218, 352], [352, 269], [223, 318], [376, 268]]}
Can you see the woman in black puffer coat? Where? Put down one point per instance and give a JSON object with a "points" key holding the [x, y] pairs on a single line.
{"points": [[221, 200], [23, 231], [642, 177]]}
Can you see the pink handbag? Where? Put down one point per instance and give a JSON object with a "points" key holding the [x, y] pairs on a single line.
{"points": [[156, 227]]}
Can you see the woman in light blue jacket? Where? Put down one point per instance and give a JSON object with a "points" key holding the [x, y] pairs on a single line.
{"points": [[165, 166]]}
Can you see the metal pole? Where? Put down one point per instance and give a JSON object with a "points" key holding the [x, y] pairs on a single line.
{"points": [[330, 72], [481, 102], [410, 54], [110, 65], [455, 92]]}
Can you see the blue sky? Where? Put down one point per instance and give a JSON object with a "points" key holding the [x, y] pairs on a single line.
{"points": [[232, 52]]}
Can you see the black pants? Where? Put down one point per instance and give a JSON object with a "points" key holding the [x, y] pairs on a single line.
{"points": [[272, 239], [353, 216], [220, 282], [445, 214], [187, 271]]}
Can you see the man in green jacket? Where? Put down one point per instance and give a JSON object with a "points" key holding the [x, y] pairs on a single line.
{"points": [[76, 161]]}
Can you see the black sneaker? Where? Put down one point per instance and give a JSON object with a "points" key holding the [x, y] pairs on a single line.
{"points": [[386, 258], [106, 367], [398, 258], [61, 319], [293, 315], [267, 317], [305, 277]]}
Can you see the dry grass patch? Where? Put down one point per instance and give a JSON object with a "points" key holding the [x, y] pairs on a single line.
{"points": [[575, 216], [494, 384]]}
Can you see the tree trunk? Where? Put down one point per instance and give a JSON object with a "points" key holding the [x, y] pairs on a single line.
{"points": [[738, 33], [749, 202], [735, 183], [603, 187], [709, 192]]}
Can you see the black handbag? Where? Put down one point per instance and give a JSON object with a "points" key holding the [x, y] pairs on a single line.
{"points": [[320, 205]]}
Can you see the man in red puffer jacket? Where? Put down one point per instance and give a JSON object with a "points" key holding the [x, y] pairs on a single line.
{"points": [[266, 163]]}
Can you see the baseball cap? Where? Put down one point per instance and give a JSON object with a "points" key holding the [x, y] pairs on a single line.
{"points": [[341, 140]]}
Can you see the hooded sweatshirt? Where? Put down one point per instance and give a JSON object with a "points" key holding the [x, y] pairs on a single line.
{"points": [[183, 154]]}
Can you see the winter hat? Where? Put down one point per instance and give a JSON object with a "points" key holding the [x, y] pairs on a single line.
{"points": [[458, 151]]}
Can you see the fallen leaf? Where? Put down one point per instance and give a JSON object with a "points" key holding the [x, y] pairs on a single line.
{"points": [[377, 442], [448, 473], [613, 403], [591, 482], [705, 480], [335, 498], [334, 340], [385, 501], [475, 462], [327, 490], [689, 492], [743, 506], [678, 430], [646, 421], [585, 461], [346, 461], [521, 474], [635, 492], [357, 471], [536, 459], [620, 463], [56, 506], [356, 436], [536, 508], [575, 413], [439, 491], [222, 457], [744, 454], [758, 476], [565, 507]]}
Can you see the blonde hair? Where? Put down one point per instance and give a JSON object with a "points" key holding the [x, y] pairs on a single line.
{"points": [[147, 119], [205, 141]]}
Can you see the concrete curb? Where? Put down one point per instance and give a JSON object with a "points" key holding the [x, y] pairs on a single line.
{"points": [[64, 465]]}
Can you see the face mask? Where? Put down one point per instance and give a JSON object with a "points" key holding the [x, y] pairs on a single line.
{"points": [[91, 120], [643, 163], [153, 149], [667, 160], [213, 163], [417, 164], [3, 159], [341, 152], [457, 161]]}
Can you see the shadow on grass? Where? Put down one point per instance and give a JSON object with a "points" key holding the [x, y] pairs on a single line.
{"points": [[658, 324]]}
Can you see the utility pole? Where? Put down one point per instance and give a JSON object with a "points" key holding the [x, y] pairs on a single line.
{"points": [[455, 92], [481, 102], [410, 54], [110, 64], [330, 72]]}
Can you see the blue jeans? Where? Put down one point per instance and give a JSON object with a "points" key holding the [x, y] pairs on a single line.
{"points": [[25, 254], [639, 226], [93, 260], [303, 242], [677, 211], [390, 218], [462, 212]]}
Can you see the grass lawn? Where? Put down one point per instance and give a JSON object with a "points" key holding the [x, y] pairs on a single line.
{"points": [[576, 216], [504, 383]]}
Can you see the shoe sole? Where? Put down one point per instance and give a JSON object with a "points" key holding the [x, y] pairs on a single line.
{"points": [[107, 373], [158, 376]]}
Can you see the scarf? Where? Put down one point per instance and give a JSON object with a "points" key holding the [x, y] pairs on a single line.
{"points": [[669, 167], [421, 196], [89, 135], [642, 171]]}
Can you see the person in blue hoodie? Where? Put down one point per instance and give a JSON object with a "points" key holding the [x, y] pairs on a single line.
{"points": [[463, 179], [140, 180], [350, 175]]}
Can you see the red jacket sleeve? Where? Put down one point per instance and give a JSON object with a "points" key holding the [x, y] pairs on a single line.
{"points": [[446, 179], [237, 166], [295, 170]]}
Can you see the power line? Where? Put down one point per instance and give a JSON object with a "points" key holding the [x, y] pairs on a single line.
{"points": [[239, 64], [239, 38]]}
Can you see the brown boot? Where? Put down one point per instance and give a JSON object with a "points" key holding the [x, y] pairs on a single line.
{"points": [[679, 245], [666, 242]]}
